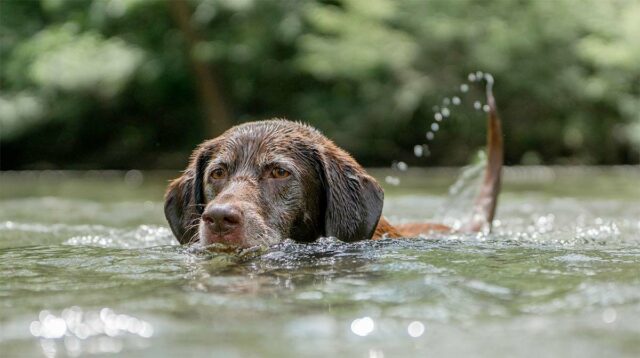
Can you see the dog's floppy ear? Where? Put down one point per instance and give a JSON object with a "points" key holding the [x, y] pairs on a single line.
{"points": [[353, 198], [178, 207], [184, 200]]}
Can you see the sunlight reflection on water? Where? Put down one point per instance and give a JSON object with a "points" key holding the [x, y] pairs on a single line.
{"points": [[415, 329], [362, 326], [81, 332]]}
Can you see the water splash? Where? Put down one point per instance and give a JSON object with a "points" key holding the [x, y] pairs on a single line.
{"points": [[464, 190], [455, 212], [442, 113]]}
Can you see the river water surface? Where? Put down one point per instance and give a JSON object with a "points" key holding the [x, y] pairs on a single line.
{"points": [[90, 267]]}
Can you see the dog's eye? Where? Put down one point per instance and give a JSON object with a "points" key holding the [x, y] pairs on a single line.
{"points": [[279, 173], [218, 173]]}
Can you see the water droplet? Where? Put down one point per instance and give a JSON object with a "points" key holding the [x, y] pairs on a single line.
{"points": [[446, 101], [609, 315], [362, 326], [53, 327], [35, 328], [456, 100], [445, 112], [430, 135], [435, 127], [418, 151], [437, 116], [472, 77], [464, 87], [391, 180], [486, 108], [479, 75], [415, 329], [402, 166], [477, 105], [146, 330]]}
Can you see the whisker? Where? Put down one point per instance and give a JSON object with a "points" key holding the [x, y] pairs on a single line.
{"points": [[194, 238]]}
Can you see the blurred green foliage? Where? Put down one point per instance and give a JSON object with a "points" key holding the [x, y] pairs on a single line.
{"points": [[115, 83]]}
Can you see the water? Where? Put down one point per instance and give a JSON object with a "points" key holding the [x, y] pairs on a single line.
{"points": [[89, 267]]}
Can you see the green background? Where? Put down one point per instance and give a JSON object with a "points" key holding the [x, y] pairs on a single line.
{"points": [[138, 83]]}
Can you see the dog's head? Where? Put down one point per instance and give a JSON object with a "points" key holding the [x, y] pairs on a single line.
{"points": [[262, 182]]}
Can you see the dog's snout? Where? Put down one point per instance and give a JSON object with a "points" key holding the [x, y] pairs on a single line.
{"points": [[222, 218]]}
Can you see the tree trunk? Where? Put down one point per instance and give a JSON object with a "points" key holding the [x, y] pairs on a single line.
{"points": [[217, 118]]}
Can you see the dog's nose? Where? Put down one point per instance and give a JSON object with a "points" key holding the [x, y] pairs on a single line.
{"points": [[222, 218]]}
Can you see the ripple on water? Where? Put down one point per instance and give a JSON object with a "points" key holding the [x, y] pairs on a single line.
{"points": [[55, 210], [554, 270], [575, 258], [21, 233]]}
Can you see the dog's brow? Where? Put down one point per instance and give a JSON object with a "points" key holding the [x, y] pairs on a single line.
{"points": [[276, 158], [224, 157]]}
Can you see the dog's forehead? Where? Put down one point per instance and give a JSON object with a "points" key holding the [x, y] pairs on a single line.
{"points": [[265, 141]]}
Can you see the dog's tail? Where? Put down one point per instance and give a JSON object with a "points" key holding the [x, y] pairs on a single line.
{"points": [[484, 207]]}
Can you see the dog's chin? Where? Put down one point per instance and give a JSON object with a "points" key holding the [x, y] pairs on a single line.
{"points": [[233, 239], [237, 238]]}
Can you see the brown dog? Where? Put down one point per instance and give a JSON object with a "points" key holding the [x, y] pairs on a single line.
{"points": [[262, 182]]}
